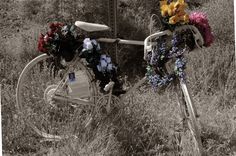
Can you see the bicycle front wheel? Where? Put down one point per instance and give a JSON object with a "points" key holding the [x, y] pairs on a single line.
{"points": [[52, 118], [190, 139]]}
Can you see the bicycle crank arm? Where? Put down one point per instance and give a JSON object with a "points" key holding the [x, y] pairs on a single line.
{"points": [[77, 101]]}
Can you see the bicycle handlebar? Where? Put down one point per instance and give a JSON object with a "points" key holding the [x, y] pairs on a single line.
{"points": [[197, 37], [148, 45]]}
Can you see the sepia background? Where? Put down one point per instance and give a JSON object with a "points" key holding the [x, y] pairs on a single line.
{"points": [[146, 129]]}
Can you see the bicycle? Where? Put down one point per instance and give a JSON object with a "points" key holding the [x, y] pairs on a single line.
{"points": [[46, 103]]}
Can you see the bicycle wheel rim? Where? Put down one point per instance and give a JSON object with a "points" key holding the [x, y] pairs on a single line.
{"points": [[42, 117]]}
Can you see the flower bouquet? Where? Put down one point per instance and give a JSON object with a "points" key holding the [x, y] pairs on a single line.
{"points": [[173, 15], [60, 40]]}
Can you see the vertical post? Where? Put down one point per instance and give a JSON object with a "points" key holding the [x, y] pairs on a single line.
{"points": [[112, 14], [115, 30], [235, 30], [1, 118]]}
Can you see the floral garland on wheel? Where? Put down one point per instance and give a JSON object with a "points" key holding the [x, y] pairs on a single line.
{"points": [[174, 15]]}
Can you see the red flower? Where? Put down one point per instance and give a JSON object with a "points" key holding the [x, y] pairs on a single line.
{"points": [[41, 44], [45, 39], [50, 33], [55, 26]]}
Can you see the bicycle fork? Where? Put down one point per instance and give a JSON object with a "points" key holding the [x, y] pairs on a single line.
{"points": [[189, 114]]}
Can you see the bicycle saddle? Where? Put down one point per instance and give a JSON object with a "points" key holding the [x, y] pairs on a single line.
{"points": [[91, 27]]}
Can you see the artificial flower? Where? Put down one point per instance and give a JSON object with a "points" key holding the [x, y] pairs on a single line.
{"points": [[41, 44], [175, 10], [56, 26], [186, 18], [181, 13], [183, 18], [199, 19], [174, 19], [164, 10], [171, 9], [180, 7]]}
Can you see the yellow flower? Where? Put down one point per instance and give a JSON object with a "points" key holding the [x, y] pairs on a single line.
{"points": [[176, 11], [164, 10], [181, 13], [171, 9], [180, 6], [174, 19], [186, 18]]}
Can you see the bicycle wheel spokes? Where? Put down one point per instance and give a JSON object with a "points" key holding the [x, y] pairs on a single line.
{"points": [[49, 117], [113, 113]]}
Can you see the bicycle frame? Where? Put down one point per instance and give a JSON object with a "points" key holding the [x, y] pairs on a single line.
{"points": [[147, 45]]}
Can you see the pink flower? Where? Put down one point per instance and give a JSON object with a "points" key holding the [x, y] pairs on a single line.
{"points": [[199, 19]]}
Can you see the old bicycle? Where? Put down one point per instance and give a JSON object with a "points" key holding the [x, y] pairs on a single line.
{"points": [[55, 106]]}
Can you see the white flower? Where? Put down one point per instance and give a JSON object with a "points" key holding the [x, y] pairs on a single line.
{"points": [[96, 44], [109, 67], [108, 59], [103, 64], [87, 44]]}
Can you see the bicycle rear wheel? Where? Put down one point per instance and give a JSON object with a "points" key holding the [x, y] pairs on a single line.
{"points": [[190, 138], [51, 118]]}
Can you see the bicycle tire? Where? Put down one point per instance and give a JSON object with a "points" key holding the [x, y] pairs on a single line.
{"points": [[51, 121], [190, 140]]}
